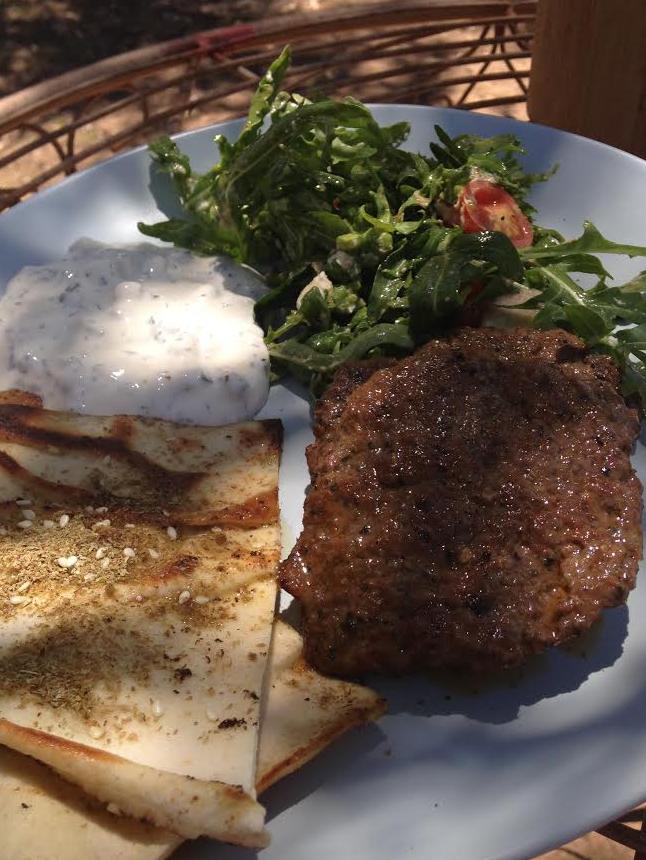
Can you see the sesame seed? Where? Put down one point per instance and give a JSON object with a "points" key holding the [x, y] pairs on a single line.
{"points": [[153, 552], [101, 523], [16, 600], [48, 524], [130, 525], [107, 459], [24, 586], [157, 708], [3, 530], [64, 520], [22, 503], [129, 552], [105, 563], [172, 533], [201, 599], [67, 561], [96, 732], [113, 809], [25, 524], [165, 513], [101, 551], [29, 515], [211, 715], [89, 577], [184, 596], [101, 510], [89, 509]]}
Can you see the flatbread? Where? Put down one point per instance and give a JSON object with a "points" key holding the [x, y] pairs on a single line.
{"points": [[200, 476], [44, 818], [137, 598], [305, 711]]}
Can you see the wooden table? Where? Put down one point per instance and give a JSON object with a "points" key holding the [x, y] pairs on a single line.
{"points": [[589, 70]]}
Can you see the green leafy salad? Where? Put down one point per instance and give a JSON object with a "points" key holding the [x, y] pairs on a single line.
{"points": [[370, 250]]}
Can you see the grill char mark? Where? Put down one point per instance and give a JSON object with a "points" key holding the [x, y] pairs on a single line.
{"points": [[470, 505]]}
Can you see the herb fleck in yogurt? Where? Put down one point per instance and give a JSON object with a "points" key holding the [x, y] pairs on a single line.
{"points": [[138, 330]]}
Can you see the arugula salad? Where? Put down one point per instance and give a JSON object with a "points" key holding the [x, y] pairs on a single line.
{"points": [[370, 250]]}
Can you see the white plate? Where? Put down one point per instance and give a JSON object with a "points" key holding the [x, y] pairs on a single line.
{"points": [[447, 775]]}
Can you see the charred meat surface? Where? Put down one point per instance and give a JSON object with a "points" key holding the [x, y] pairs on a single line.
{"points": [[470, 505]]}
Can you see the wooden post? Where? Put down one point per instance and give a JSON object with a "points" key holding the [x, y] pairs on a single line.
{"points": [[589, 70]]}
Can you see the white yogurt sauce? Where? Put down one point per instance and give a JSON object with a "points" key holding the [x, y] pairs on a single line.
{"points": [[140, 330]]}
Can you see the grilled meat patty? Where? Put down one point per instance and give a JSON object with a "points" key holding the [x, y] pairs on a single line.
{"points": [[469, 505]]}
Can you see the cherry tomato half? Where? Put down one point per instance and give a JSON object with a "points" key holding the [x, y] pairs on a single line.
{"points": [[482, 205]]}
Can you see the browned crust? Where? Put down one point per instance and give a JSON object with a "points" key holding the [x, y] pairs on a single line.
{"points": [[21, 398], [46, 489], [190, 807], [348, 720], [348, 716], [255, 511], [187, 812], [19, 411], [183, 565], [37, 800], [348, 377], [271, 436], [17, 426], [44, 740], [466, 449]]}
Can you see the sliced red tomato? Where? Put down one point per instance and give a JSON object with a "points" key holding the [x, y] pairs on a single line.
{"points": [[483, 205]]}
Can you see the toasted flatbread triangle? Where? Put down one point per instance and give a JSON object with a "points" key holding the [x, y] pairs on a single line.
{"points": [[199, 475], [305, 711], [182, 804], [44, 818], [134, 637]]}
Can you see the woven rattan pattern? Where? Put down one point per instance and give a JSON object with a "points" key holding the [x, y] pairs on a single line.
{"points": [[469, 55]]}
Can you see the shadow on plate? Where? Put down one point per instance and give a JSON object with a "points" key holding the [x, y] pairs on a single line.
{"points": [[499, 697], [163, 191], [334, 760]]}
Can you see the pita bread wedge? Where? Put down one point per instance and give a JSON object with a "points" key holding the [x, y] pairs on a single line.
{"points": [[137, 596], [44, 818], [305, 711], [199, 476]]}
